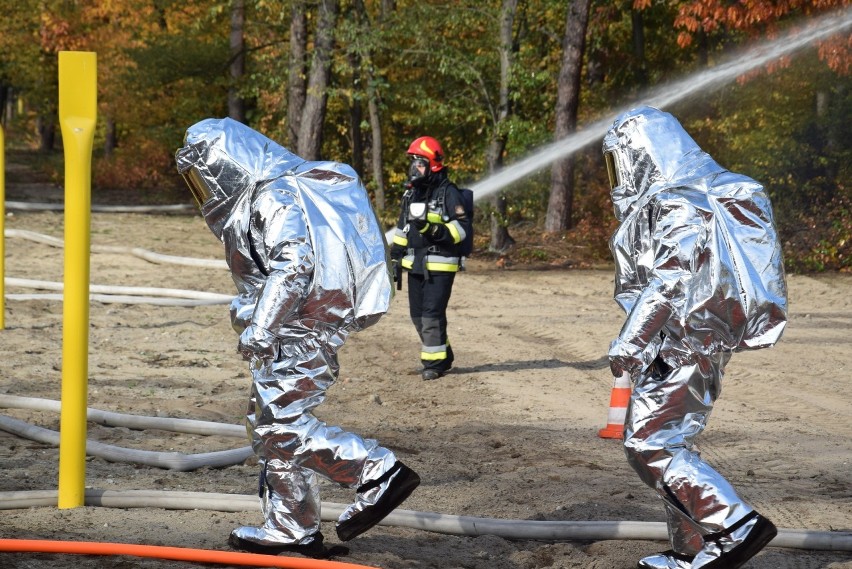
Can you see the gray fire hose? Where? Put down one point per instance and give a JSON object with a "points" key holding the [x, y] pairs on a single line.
{"points": [[426, 521]]}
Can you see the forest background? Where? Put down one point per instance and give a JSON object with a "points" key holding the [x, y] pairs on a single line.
{"points": [[356, 80]]}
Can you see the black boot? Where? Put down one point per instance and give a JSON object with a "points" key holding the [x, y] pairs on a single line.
{"points": [[758, 537], [376, 499], [313, 549]]}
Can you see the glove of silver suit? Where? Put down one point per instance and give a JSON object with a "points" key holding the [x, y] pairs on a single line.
{"points": [[257, 342], [625, 357]]}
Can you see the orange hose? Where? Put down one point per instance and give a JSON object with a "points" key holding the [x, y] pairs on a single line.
{"points": [[173, 553]]}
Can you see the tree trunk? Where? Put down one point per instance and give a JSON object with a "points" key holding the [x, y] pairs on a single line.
{"points": [[703, 49], [236, 104], [313, 115], [377, 146], [110, 138], [296, 84], [374, 108], [560, 204], [356, 114], [638, 26], [4, 98], [11, 101], [822, 109], [46, 133], [500, 238]]}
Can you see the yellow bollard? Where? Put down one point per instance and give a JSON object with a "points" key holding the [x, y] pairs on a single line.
{"points": [[2, 229], [77, 115]]}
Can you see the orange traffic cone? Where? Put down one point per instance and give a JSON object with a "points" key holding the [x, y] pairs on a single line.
{"points": [[618, 401]]}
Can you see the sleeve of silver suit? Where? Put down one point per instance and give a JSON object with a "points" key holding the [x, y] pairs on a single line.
{"points": [[672, 264], [285, 249]]}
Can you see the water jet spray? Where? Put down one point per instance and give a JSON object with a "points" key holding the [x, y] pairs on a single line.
{"points": [[791, 42]]}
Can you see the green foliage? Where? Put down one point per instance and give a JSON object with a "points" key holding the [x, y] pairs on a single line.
{"points": [[787, 131], [436, 70]]}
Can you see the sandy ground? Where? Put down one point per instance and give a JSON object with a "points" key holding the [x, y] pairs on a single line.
{"points": [[511, 433]]}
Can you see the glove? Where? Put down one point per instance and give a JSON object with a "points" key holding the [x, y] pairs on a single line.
{"points": [[420, 225], [397, 252], [625, 358], [257, 342], [437, 233]]}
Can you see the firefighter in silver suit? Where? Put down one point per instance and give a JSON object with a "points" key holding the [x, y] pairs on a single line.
{"points": [[700, 275], [310, 266]]}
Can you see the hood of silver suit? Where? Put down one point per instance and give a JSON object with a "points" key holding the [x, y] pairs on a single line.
{"points": [[224, 159], [651, 151]]}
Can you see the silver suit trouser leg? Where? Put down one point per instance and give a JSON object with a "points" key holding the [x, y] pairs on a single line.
{"points": [[294, 446], [668, 409]]}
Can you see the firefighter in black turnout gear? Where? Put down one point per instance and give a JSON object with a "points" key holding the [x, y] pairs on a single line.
{"points": [[426, 242]]}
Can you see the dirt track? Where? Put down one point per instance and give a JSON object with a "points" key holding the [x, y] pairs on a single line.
{"points": [[510, 434]]}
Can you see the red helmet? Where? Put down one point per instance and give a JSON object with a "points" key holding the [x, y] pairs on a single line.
{"points": [[430, 149]]}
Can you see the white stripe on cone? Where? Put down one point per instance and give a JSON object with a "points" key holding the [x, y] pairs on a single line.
{"points": [[617, 413]]}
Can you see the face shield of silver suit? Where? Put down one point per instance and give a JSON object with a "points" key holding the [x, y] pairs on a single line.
{"points": [[309, 262], [699, 274]]}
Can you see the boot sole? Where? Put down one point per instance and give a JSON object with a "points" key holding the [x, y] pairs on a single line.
{"points": [[668, 553], [309, 550]]}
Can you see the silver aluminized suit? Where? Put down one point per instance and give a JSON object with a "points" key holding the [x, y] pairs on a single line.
{"points": [[700, 275], [310, 266]]}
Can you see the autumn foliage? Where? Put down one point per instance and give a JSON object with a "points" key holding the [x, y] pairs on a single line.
{"points": [[758, 18]]}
